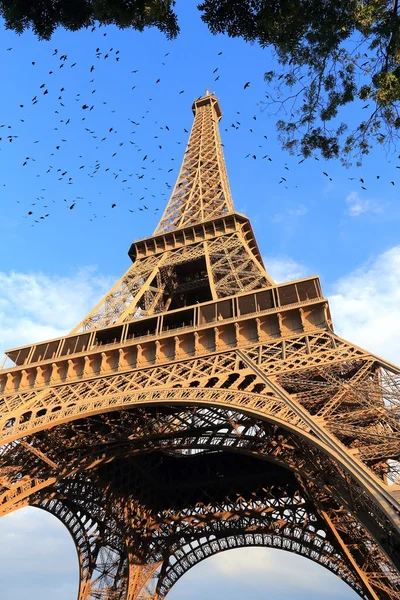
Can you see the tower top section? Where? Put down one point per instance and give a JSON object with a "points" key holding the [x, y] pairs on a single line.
{"points": [[208, 98], [202, 190]]}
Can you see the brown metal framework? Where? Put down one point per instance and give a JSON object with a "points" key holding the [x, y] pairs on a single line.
{"points": [[201, 407]]}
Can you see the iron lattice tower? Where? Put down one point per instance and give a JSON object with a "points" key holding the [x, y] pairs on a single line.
{"points": [[201, 407]]}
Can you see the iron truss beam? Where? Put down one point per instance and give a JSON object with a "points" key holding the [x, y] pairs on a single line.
{"points": [[201, 407]]}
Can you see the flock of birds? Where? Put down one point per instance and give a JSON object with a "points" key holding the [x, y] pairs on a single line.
{"points": [[67, 161], [39, 209]]}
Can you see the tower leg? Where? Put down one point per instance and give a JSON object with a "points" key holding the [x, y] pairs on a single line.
{"points": [[102, 557], [344, 548], [142, 581]]}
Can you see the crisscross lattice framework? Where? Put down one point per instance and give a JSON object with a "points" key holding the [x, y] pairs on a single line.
{"points": [[249, 423], [73, 437], [201, 192]]}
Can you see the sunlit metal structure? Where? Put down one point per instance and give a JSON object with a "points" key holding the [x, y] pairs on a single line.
{"points": [[201, 407]]}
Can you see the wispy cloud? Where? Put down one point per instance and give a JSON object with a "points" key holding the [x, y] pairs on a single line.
{"points": [[37, 557], [291, 213], [284, 268], [357, 206], [35, 306], [365, 305], [245, 573]]}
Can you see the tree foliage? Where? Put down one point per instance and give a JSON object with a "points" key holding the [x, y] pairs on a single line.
{"points": [[44, 16], [333, 55]]}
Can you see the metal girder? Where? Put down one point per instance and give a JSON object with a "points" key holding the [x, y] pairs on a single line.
{"points": [[200, 407]]}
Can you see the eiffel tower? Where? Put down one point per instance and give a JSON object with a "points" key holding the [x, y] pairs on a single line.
{"points": [[201, 407]]}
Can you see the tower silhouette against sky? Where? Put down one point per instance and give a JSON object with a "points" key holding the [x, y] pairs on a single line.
{"points": [[201, 407]]}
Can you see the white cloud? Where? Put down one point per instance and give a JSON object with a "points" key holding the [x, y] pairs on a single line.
{"points": [[297, 211], [35, 306], [365, 305], [283, 268], [37, 557], [249, 572], [357, 206]]}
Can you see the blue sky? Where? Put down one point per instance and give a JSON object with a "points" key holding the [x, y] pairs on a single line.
{"points": [[307, 220], [52, 271]]}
